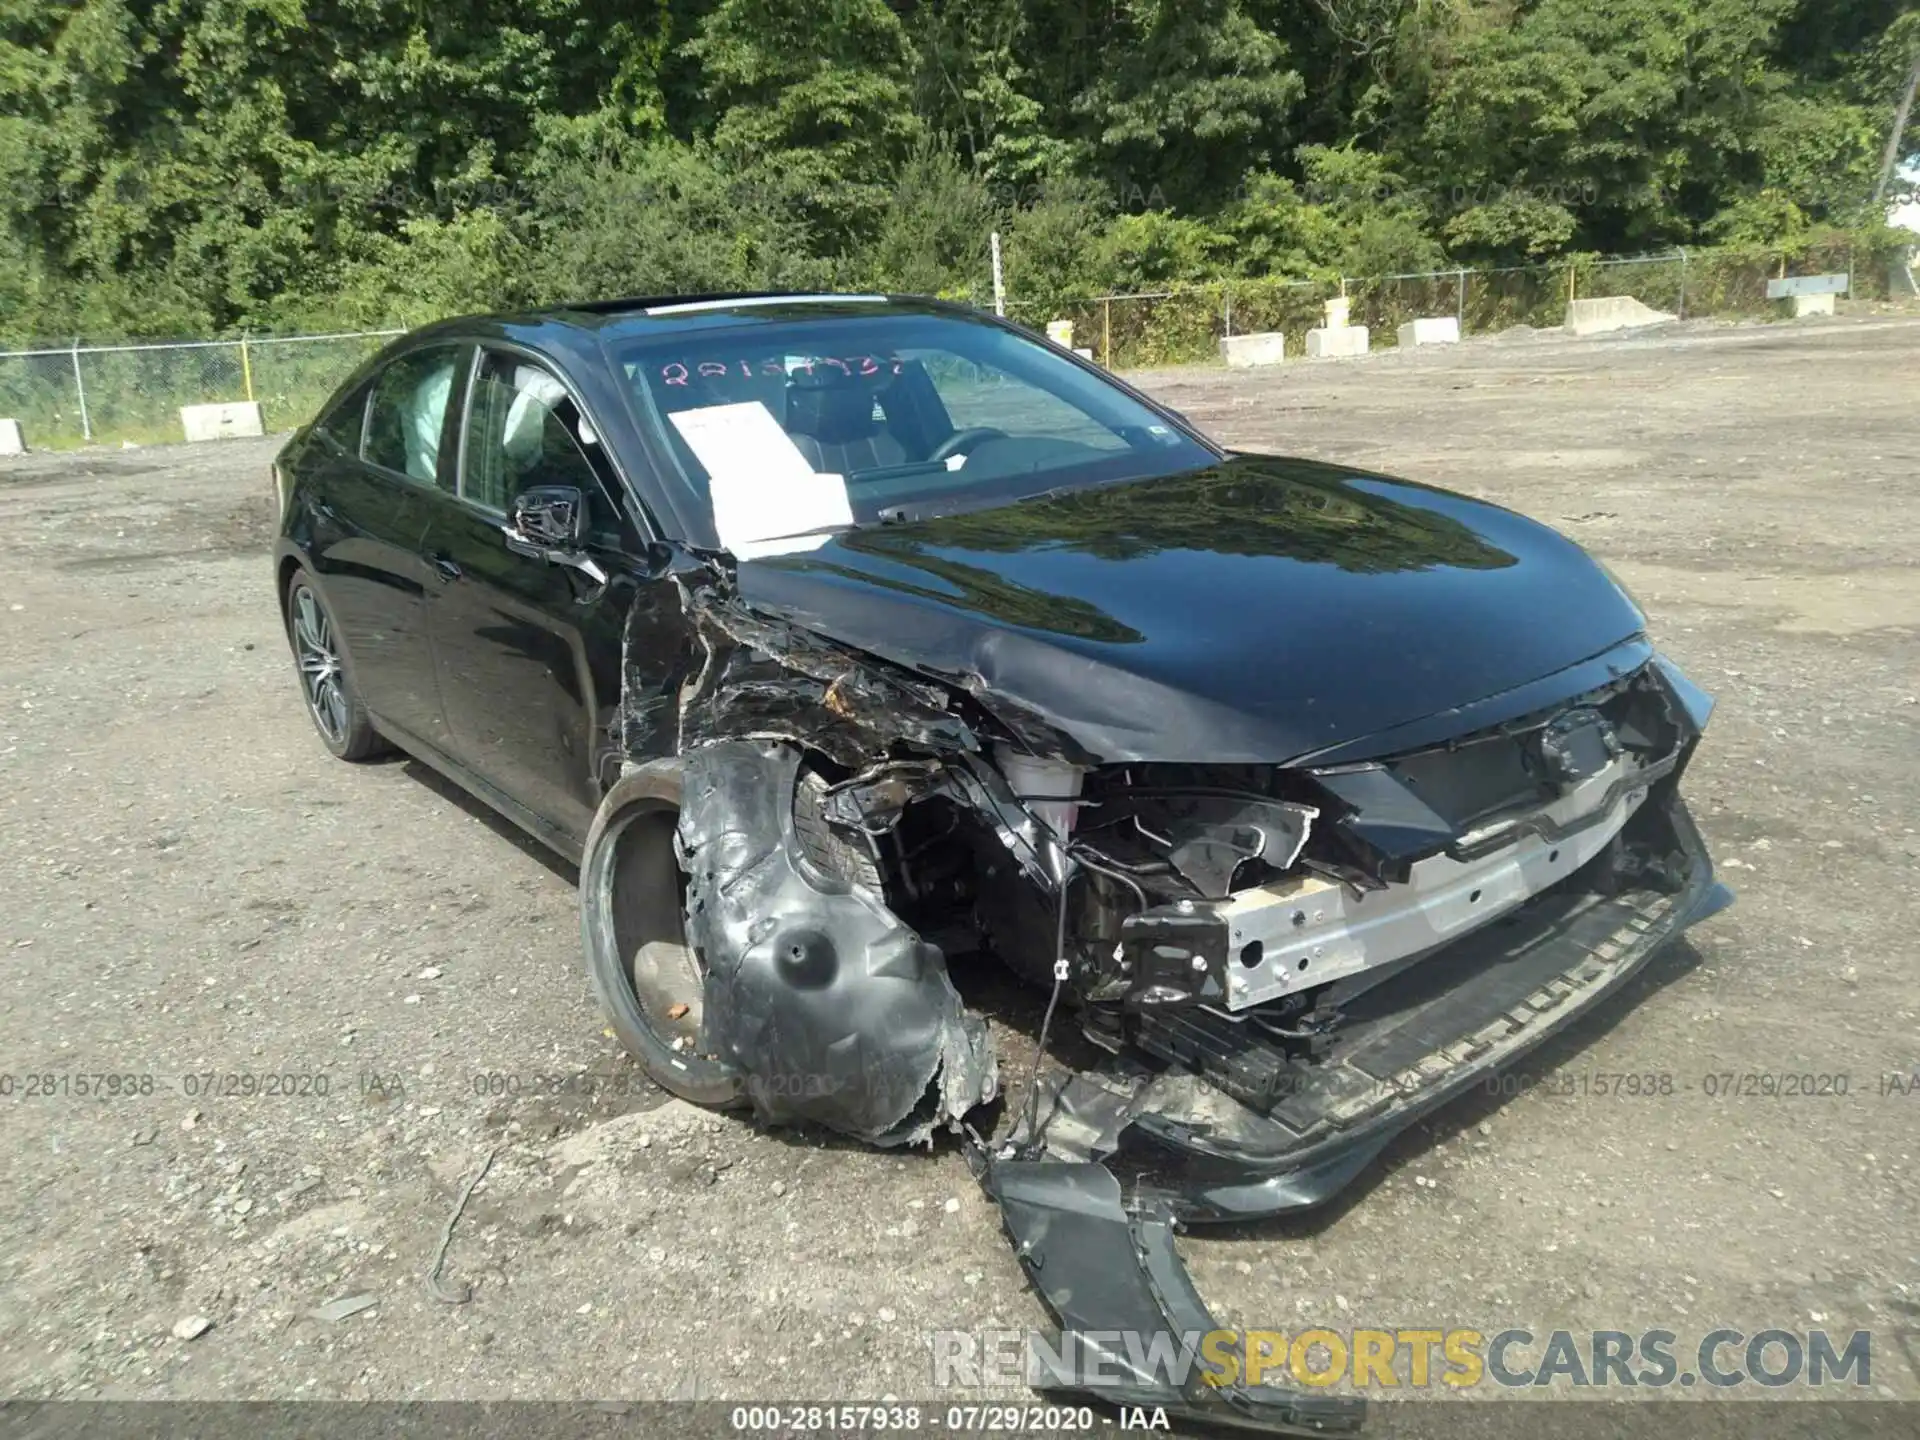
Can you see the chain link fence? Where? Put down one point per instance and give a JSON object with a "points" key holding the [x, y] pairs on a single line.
{"points": [[1185, 323], [109, 394], [78, 394]]}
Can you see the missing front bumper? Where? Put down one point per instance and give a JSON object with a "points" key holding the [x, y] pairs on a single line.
{"points": [[1119, 1158], [1226, 1126], [1305, 931]]}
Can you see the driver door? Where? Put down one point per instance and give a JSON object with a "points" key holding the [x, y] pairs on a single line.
{"points": [[528, 651]]}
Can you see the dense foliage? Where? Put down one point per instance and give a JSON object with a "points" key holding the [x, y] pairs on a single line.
{"points": [[191, 166]]}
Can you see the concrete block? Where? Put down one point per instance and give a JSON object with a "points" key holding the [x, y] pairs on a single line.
{"points": [[1785, 287], [221, 422], [1805, 305], [10, 441], [1436, 330], [1326, 343], [1083, 351], [1262, 347], [1611, 312]]}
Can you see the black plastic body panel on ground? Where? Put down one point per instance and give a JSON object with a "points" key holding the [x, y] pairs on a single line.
{"points": [[1104, 1273]]}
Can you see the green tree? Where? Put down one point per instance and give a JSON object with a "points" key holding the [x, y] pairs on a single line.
{"points": [[1610, 124], [252, 149], [1274, 231], [820, 89], [669, 218], [189, 166], [1156, 248], [1047, 255], [974, 87], [932, 237], [1189, 95]]}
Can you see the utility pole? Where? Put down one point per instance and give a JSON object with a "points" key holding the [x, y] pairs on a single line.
{"points": [[1888, 160]]}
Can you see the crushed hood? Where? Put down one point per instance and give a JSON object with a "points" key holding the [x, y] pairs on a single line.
{"points": [[1251, 612]]}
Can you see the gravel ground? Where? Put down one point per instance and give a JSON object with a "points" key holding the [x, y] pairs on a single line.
{"points": [[197, 891]]}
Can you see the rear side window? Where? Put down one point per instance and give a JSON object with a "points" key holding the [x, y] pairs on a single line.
{"points": [[409, 412]]}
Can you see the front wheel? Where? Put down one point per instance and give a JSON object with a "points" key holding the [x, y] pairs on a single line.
{"points": [[649, 981], [333, 703]]}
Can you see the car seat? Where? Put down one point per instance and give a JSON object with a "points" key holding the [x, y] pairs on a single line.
{"points": [[830, 417]]}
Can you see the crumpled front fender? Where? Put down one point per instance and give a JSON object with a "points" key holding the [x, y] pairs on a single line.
{"points": [[835, 1010]]}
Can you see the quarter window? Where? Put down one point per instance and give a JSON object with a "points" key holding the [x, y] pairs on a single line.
{"points": [[523, 429], [345, 424], [410, 411]]}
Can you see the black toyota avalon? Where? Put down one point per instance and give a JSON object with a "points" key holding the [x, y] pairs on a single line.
{"points": [[852, 644]]}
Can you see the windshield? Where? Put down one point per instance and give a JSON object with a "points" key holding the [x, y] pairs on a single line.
{"points": [[800, 427]]}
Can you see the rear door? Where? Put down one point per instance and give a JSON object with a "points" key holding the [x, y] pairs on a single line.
{"points": [[370, 526], [528, 652]]}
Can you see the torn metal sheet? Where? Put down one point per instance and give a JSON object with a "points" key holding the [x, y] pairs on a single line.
{"points": [[1229, 831], [759, 677], [834, 1010]]}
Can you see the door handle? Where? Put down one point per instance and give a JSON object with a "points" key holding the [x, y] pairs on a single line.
{"points": [[446, 567]]}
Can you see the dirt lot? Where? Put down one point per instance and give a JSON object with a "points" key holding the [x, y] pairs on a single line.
{"points": [[196, 891]]}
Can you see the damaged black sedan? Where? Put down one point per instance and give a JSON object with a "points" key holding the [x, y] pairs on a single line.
{"points": [[853, 645]]}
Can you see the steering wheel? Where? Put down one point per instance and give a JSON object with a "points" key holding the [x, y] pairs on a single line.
{"points": [[963, 441]]}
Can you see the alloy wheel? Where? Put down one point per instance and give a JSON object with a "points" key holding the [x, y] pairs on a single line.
{"points": [[319, 662]]}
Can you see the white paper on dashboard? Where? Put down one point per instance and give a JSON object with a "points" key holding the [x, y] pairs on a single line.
{"points": [[761, 486]]}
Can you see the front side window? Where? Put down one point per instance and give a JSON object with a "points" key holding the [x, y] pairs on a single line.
{"points": [[523, 429], [409, 412], [852, 418]]}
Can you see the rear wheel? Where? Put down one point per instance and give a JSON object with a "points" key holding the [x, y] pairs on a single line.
{"points": [[649, 981], [333, 704]]}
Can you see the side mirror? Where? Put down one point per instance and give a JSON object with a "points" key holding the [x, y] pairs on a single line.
{"points": [[549, 522], [553, 517]]}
